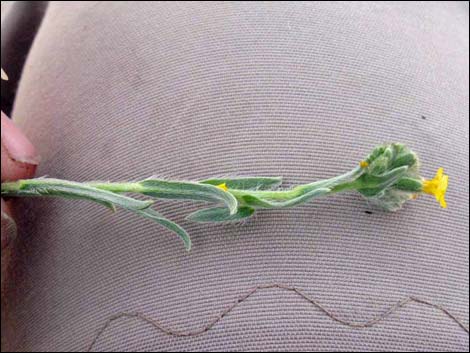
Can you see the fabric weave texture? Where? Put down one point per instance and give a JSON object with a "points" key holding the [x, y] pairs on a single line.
{"points": [[122, 91]]}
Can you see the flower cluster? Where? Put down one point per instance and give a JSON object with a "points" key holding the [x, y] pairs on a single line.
{"points": [[391, 177]]}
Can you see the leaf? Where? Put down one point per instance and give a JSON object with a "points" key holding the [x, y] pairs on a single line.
{"points": [[188, 191], [409, 184], [373, 184], [220, 214], [247, 183], [391, 177], [170, 225], [72, 190], [255, 201]]}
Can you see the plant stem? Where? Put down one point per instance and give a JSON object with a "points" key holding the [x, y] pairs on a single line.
{"points": [[337, 184], [117, 187], [9, 188]]}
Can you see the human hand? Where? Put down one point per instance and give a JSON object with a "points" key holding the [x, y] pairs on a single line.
{"points": [[19, 160]]}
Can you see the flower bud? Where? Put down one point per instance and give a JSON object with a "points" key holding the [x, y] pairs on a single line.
{"points": [[391, 176]]}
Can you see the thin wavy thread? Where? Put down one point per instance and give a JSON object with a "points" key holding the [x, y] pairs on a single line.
{"points": [[157, 325]]}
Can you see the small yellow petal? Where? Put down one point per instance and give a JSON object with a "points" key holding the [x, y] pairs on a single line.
{"points": [[363, 164], [444, 183], [223, 186], [429, 187], [437, 187], [443, 202]]}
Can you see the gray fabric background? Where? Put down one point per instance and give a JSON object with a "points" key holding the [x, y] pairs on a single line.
{"points": [[120, 91]]}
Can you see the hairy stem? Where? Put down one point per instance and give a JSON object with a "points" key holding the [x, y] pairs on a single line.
{"points": [[117, 187]]}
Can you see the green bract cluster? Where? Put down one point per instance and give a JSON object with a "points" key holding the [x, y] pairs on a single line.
{"points": [[391, 176], [387, 178]]}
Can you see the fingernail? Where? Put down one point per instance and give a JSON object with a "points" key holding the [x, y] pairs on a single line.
{"points": [[4, 76], [8, 228], [17, 144]]}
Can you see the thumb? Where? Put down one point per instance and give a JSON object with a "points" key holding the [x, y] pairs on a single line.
{"points": [[18, 156]]}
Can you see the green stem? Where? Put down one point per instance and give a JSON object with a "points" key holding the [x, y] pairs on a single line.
{"points": [[337, 184], [9, 188], [277, 195], [13, 187], [117, 187]]}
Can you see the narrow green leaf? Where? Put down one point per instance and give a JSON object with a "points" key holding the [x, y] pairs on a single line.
{"points": [[72, 190], [408, 159], [67, 189], [409, 184], [188, 191], [248, 183], [391, 177], [371, 185], [172, 226], [259, 202], [220, 214]]}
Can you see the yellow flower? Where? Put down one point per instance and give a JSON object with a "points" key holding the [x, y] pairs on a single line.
{"points": [[437, 187], [223, 186], [363, 164]]}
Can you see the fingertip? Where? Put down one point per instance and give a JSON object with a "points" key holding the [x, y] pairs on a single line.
{"points": [[19, 157]]}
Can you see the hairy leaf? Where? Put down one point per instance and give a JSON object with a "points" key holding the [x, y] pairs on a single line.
{"points": [[374, 184], [170, 225], [247, 183], [72, 190], [188, 191], [220, 214], [259, 202]]}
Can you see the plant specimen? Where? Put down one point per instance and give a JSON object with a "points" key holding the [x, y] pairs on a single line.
{"points": [[387, 178]]}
